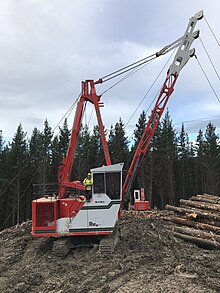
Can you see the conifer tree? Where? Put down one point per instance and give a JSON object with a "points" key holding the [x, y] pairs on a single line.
{"points": [[83, 161], [166, 157], [140, 127], [183, 156], [143, 175], [46, 148], [18, 158], [154, 169], [184, 174], [64, 137], [36, 152], [1, 149], [200, 168], [56, 158], [118, 143], [96, 150], [4, 180], [211, 146], [36, 156], [1, 142], [18, 149], [183, 144], [211, 152], [200, 143]]}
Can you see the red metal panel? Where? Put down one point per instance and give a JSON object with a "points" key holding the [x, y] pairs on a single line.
{"points": [[44, 214], [33, 214], [87, 233], [68, 208], [141, 205], [142, 194]]}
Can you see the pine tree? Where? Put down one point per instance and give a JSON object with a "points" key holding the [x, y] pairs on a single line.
{"points": [[1, 142], [211, 146], [118, 143], [36, 153], [143, 176], [200, 143], [183, 144], [18, 158], [64, 137], [46, 148], [4, 163], [96, 150], [18, 149], [200, 168], [212, 153], [182, 170], [166, 157], [1, 149], [5, 170], [56, 158], [5, 195], [154, 169], [83, 161], [140, 127]]}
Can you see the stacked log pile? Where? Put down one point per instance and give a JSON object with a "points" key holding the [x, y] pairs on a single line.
{"points": [[139, 215], [197, 220]]}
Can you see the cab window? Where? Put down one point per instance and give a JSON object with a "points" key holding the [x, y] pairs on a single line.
{"points": [[99, 183], [113, 184]]}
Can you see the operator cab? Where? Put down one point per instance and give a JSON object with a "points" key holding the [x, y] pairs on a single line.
{"points": [[107, 184]]}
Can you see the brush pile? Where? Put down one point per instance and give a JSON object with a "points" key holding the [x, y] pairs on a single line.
{"points": [[197, 220]]}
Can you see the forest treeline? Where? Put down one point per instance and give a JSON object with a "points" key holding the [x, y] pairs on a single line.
{"points": [[173, 168]]}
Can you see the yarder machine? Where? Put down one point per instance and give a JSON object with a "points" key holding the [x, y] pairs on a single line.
{"points": [[65, 214]]}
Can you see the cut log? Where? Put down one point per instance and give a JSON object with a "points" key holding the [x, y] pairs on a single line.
{"points": [[204, 243], [208, 196], [210, 222], [197, 233], [202, 205], [194, 224], [204, 199], [200, 213]]}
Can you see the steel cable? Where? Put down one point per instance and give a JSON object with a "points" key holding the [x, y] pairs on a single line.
{"points": [[125, 67], [135, 69], [144, 98], [116, 75], [200, 65], [212, 31], [209, 58]]}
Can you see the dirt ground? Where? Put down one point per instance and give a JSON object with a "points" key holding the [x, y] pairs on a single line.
{"points": [[147, 258]]}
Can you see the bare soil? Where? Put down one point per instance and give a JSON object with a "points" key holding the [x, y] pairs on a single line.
{"points": [[147, 258]]}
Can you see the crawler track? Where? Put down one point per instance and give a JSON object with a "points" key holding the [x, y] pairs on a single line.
{"points": [[108, 243]]}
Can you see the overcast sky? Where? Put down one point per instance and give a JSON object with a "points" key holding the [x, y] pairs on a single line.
{"points": [[47, 47]]}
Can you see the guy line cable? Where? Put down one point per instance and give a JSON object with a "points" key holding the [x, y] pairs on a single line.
{"points": [[200, 65]]}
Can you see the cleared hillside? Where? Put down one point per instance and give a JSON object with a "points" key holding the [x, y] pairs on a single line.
{"points": [[147, 258]]}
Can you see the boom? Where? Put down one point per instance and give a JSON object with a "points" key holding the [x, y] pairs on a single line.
{"points": [[88, 94], [181, 58]]}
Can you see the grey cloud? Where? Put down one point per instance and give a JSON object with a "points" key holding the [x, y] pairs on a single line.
{"points": [[48, 47]]}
